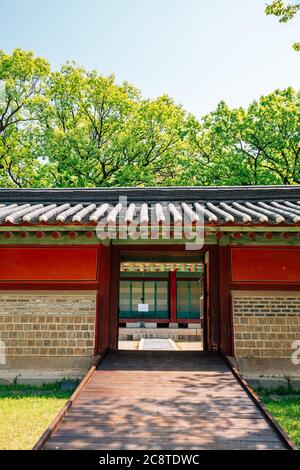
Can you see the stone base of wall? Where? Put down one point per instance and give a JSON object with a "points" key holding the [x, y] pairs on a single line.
{"points": [[40, 376], [258, 367], [185, 334], [291, 385], [47, 331], [48, 363], [266, 332]]}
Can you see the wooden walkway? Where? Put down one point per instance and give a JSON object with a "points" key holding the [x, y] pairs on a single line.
{"points": [[171, 400]]}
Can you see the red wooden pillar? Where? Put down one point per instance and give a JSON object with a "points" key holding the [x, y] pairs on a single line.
{"points": [[226, 333], [211, 329], [114, 299], [172, 296], [102, 321], [206, 315]]}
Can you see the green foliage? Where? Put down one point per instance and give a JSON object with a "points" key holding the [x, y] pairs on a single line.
{"points": [[47, 390], [100, 133], [258, 145], [75, 128], [286, 411], [21, 94], [284, 12], [26, 411]]}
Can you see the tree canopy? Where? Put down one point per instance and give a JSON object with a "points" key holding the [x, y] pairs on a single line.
{"points": [[284, 12], [257, 145], [77, 128]]}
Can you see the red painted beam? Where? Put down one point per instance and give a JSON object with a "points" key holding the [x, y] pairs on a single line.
{"points": [[265, 286], [89, 234], [55, 235], [265, 264], [23, 234], [72, 235], [48, 263], [236, 235], [40, 234], [268, 235], [158, 320], [251, 235], [63, 285], [8, 235], [285, 235]]}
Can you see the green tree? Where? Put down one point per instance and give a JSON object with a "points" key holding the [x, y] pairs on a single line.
{"points": [[94, 132], [285, 12], [21, 92], [74, 128], [258, 145]]}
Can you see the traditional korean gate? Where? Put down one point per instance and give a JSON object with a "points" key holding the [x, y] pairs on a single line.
{"points": [[211, 297]]}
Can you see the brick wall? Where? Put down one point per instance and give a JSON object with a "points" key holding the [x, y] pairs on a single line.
{"points": [[47, 324], [265, 324]]}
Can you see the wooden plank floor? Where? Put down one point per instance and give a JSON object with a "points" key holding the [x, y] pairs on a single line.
{"points": [[163, 400]]}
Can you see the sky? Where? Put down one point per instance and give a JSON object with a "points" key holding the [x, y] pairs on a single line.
{"points": [[197, 51]]}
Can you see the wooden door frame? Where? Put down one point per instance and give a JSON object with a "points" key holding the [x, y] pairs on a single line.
{"points": [[212, 329]]}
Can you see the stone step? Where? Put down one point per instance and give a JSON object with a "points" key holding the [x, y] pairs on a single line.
{"points": [[136, 334]]}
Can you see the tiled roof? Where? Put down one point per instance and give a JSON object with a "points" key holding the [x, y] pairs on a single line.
{"points": [[221, 206]]}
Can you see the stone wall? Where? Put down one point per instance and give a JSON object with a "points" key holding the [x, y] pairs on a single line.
{"points": [[266, 324], [47, 330]]}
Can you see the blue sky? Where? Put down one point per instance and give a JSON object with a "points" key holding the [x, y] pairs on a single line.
{"points": [[197, 51]]}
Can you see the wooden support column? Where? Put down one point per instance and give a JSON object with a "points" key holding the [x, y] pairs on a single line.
{"points": [[114, 299], [226, 327], [172, 296], [211, 330], [103, 299]]}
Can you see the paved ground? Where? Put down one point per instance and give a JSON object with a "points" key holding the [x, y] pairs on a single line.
{"points": [[170, 400], [128, 345], [157, 345], [189, 345], [160, 344]]}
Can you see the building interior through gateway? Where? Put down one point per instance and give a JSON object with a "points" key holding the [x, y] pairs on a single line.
{"points": [[161, 303]]}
